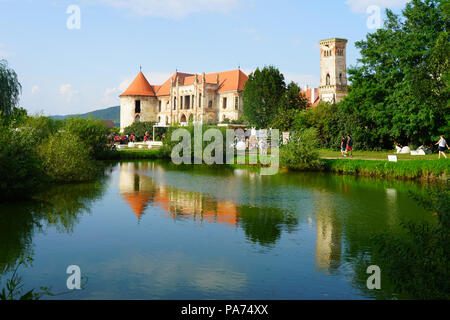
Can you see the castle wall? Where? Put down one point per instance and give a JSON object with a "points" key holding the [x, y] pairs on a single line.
{"points": [[127, 110]]}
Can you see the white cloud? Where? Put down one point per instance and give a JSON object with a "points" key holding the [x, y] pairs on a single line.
{"points": [[35, 89], [172, 8], [67, 92], [360, 6]]}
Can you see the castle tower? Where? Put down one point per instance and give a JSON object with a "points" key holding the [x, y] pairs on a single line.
{"points": [[138, 102], [333, 66]]}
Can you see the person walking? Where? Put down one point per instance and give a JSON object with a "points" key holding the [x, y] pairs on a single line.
{"points": [[343, 146], [442, 146], [349, 145]]}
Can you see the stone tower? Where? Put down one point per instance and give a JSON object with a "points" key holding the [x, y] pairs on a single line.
{"points": [[138, 103], [333, 75]]}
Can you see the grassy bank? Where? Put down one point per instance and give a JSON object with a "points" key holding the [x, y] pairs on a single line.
{"points": [[413, 169], [375, 155], [432, 169]]}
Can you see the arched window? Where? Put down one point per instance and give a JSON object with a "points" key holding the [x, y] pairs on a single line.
{"points": [[340, 78], [137, 119], [328, 79], [137, 106], [183, 118], [210, 104]]}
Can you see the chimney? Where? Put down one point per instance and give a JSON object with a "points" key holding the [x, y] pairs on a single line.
{"points": [[217, 80]]}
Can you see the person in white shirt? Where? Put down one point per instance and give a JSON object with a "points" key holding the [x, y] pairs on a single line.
{"points": [[442, 146]]}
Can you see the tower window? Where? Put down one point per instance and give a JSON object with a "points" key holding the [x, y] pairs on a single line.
{"points": [[328, 79], [340, 78], [137, 106], [200, 100]]}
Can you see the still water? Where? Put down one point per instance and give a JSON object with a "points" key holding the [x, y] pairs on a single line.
{"points": [[151, 230]]}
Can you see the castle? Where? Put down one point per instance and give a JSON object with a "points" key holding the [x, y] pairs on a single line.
{"points": [[216, 97]]}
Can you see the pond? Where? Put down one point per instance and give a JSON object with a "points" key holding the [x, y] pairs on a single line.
{"points": [[151, 230]]}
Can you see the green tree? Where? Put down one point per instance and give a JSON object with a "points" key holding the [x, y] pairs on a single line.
{"points": [[262, 96], [400, 86], [10, 89], [291, 104]]}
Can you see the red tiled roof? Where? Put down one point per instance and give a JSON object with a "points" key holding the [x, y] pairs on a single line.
{"points": [[308, 94], [228, 81], [139, 87]]}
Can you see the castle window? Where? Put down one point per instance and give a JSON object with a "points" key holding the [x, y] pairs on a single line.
{"points": [[200, 100], [340, 78], [224, 103], [137, 106], [137, 119], [328, 80], [159, 107], [236, 103], [175, 103], [210, 104]]}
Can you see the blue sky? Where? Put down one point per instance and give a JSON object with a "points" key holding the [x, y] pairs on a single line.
{"points": [[66, 71]]}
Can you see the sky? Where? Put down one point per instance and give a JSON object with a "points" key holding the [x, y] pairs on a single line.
{"points": [[78, 56]]}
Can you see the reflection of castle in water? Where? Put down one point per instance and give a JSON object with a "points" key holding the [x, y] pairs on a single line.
{"points": [[329, 236], [140, 191]]}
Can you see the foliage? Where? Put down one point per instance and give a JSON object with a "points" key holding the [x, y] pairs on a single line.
{"points": [[417, 263], [262, 96], [67, 158], [169, 145], [138, 129], [20, 166], [301, 151], [10, 89], [400, 86], [92, 133], [14, 287]]}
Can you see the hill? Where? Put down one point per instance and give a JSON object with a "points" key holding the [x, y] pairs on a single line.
{"points": [[112, 113]]}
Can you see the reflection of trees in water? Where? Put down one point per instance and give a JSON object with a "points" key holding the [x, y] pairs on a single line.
{"points": [[17, 226], [265, 225], [59, 206]]}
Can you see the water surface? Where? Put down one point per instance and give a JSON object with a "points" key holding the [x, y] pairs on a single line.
{"points": [[156, 231]]}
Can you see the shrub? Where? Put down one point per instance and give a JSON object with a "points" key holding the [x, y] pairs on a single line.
{"points": [[138, 129], [92, 133], [301, 151], [20, 167], [67, 158]]}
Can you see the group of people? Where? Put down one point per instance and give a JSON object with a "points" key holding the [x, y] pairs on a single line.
{"points": [[347, 146]]}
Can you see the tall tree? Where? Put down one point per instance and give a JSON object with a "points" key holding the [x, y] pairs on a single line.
{"points": [[400, 86], [262, 96], [10, 89], [291, 104]]}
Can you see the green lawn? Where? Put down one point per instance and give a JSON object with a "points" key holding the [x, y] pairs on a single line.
{"points": [[375, 155]]}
